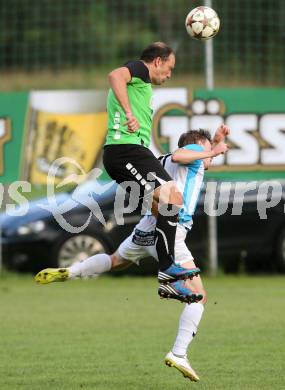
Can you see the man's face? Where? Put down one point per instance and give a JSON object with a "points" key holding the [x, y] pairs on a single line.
{"points": [[161, 70], [207, 147]]}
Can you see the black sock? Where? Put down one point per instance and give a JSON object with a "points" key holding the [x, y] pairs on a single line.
{"points": [[166, 231]]}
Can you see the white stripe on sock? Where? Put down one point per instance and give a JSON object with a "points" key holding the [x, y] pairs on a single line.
{"points": [[164, 238]]}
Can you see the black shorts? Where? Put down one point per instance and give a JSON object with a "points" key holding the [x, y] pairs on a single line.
{"points": [[128, 162]]}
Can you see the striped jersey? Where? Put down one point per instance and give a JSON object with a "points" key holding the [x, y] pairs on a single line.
{"points": [[189, 180]]}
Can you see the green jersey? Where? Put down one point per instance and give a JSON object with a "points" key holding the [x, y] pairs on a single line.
{"points": [[140, 97]]}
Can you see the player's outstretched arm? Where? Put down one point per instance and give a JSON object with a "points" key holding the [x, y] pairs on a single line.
{"points": [[118, 80], [185, 156], [219, 148]]}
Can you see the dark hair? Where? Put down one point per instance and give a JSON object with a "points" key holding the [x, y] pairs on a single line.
{"points": [[193, 137], [156, 49]]}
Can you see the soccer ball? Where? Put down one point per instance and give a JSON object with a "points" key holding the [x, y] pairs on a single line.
{"points": [[202, 23]]}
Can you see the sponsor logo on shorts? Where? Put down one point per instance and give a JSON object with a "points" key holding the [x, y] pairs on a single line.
{"points": [[142, 238]]}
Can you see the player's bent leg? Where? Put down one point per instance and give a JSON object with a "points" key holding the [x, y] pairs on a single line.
{"points": [[90, 267], [177, 272], [196, 285], [184, 267], [169, 203], [178, 290], [168, 193], [119, 263], [181, 364]]}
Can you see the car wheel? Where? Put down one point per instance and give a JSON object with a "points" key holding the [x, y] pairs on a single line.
{"points": [[281, 252], [78, 248]]}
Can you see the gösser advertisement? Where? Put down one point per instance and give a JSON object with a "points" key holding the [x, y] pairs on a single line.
{"points": [[39, 127]]}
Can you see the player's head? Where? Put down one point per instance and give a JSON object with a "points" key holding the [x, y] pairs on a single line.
{"points": [[160, 60], [201, 137]]}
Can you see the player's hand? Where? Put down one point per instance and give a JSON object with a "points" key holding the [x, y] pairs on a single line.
{"points": [[221, 133], [220, 148], [132, 122]]}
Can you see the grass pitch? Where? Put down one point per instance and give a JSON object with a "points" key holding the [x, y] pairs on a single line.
{"points": [[113, 333]]}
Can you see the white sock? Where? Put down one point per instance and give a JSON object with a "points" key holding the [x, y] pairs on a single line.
{"points": [[94, 265], [188, 324]]}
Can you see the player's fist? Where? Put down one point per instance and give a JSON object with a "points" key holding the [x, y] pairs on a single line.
{"points": [[221, 133], [131, 122], [220, 148]]}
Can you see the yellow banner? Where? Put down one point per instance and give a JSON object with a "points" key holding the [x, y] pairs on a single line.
{"points": [[78, 136]]}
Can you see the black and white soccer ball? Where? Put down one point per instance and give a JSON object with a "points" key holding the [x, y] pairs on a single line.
{"points": [[202, 23]]}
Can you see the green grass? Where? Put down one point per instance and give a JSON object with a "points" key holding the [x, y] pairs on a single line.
{"points": [[113, 333]]}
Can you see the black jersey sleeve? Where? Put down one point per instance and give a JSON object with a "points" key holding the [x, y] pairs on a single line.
{"points": [[138, 69]]}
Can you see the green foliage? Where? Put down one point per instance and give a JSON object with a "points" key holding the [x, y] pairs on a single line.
{"points": [[67, 34]]}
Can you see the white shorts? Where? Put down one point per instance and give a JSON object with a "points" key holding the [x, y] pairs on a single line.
{"points": [[141, 243]]}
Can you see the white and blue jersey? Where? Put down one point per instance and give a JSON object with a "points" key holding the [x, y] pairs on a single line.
{"points": [[189, 180]]}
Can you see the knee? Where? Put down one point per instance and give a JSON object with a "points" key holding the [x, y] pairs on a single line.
{"points": [[168, 194], [115, 258], [197, 289], [176, 198], [204, 299]]}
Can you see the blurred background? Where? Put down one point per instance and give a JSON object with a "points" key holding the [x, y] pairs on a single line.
{"points": [[70, 44], [55, 57]]}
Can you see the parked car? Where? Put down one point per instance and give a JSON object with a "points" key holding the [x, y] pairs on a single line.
{"points": [[36, 240]]}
